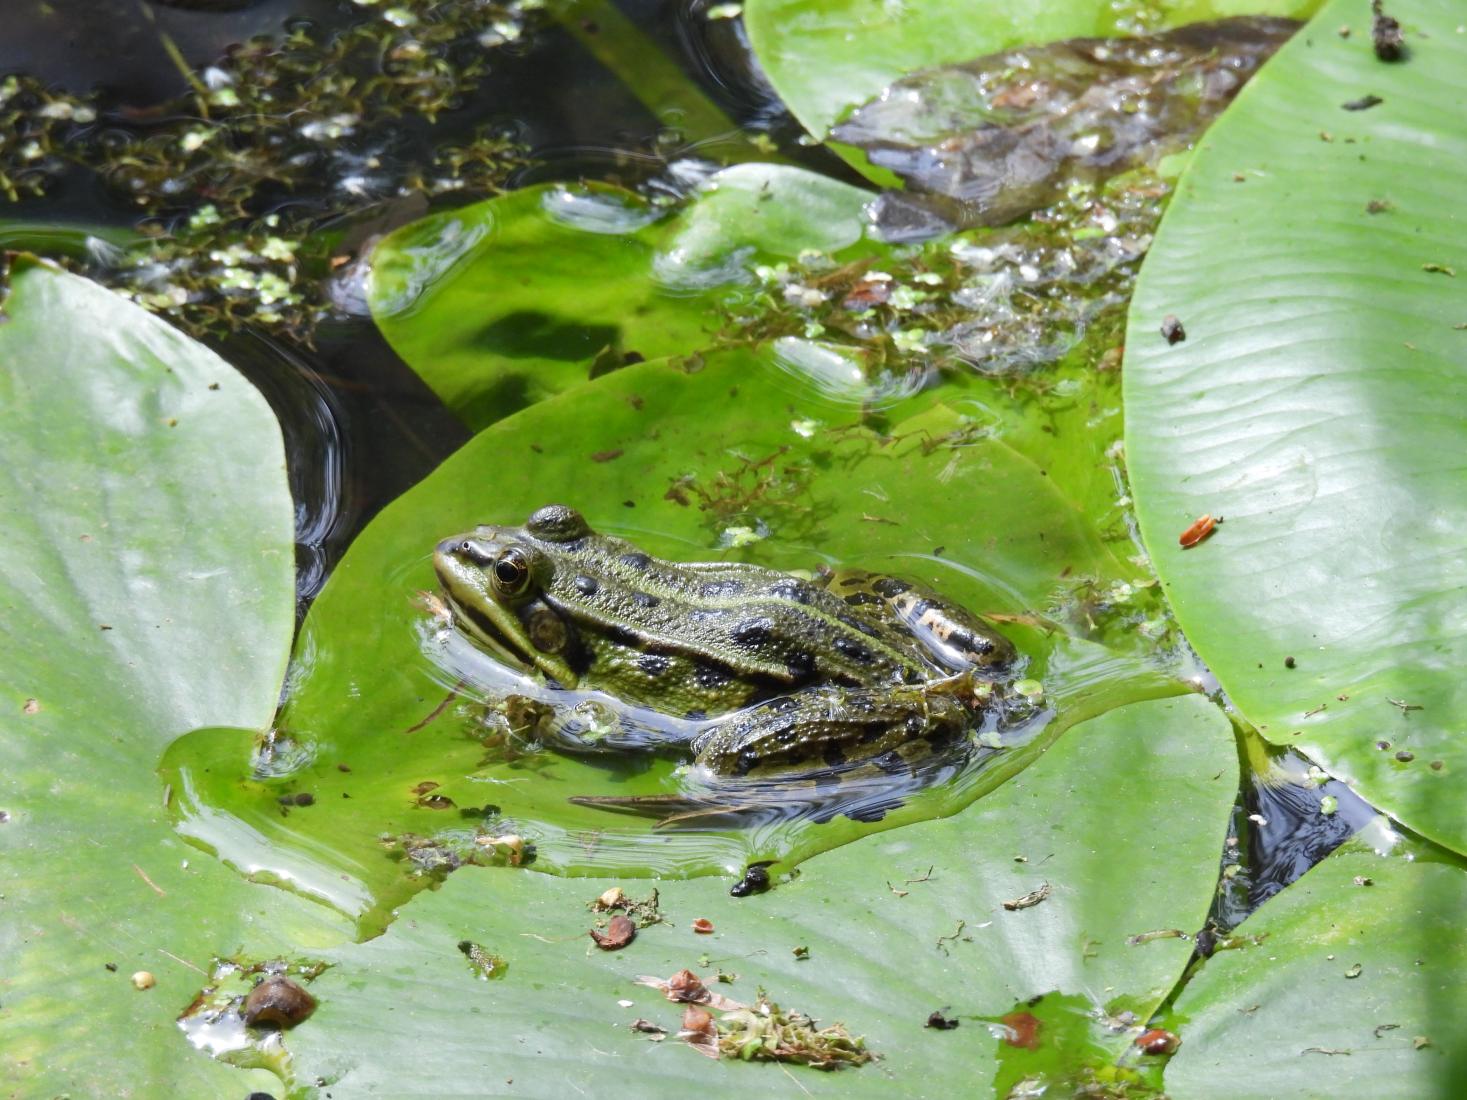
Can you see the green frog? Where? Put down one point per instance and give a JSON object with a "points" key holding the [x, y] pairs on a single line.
{"points": [[776, 673]]}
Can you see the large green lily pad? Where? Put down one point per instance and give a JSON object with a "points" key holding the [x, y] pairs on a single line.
{"points": [[146, 587], [375, 734], [502, 303], [1315, 406], [1122, 819], [1352, 989]]}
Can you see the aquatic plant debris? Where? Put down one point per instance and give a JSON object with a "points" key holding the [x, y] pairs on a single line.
{"points": [[297, 113], [759, 1032]]}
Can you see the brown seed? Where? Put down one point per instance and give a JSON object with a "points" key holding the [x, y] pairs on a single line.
{"points": [[703, 926], [620, 931], [277, 1002], [143, 979], [1158, 1041]]}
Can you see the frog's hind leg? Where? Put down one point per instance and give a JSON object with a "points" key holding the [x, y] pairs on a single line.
{"points": [[955, 638]]}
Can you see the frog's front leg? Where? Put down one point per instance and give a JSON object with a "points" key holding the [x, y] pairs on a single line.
{"points": [[831, 727]]}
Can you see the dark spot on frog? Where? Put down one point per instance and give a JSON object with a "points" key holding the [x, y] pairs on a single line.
{"points": [[862, 599], [586, 586], [621, 636], [653, 664], [752, 633], [635, 560], [790, 589], [801, 665], [711, 676], [857, 624], [696, 715], [644, 599], [854, 650], [833, 755], [716, 589], [755, 881]]}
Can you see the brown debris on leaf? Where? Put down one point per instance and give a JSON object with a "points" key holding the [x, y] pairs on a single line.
{"points": [[277, 1002], [656, 1032], [1385, 34], [620, 931], [703, 926], [644, 912], [699, 1031], [764, 1032], [685, 987], [1034, 897]]}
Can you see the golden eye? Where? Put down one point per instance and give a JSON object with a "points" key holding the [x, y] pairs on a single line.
{"points": [[511, 572]]}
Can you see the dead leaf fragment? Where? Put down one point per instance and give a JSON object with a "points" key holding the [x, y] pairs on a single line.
{"points": [[699, 1031], [620, 931], [685, 987], [1034, 897]]}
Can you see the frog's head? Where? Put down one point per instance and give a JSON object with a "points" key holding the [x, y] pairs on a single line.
{"points": [[496, 579]]}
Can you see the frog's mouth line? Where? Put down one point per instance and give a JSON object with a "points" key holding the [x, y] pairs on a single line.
{"points": [[484, 631]]}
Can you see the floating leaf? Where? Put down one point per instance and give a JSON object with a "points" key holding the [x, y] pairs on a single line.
{"points": [[884, 960], [1315, 407], [1347, 969], [146, 580]]}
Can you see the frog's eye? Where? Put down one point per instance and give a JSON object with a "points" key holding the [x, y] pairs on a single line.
{"points": [[511, 572]]}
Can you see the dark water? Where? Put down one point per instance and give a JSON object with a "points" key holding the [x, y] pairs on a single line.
{"points": [[360, 427]]}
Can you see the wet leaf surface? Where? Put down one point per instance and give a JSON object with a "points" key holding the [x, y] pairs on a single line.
{"points": [[146, 588], [1168, 770], [1313, 405], [825, 58], [502, 303], [1001, 136], [1355, 988]]}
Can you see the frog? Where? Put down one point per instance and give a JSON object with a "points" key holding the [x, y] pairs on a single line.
{"points": [[774, 672]]}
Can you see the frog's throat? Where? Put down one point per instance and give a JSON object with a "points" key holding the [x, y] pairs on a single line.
{"points": [[485, 631]]}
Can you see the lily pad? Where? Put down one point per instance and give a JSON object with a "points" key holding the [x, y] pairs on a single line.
{"points": [[502, 303], [895, 927], [825, 58], [1349, 983], [386, 741], [1008, 133], [146, 582], [1310, 401]]}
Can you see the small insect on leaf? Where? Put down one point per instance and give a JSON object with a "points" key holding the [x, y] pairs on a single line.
{"points": [[1200, 530]]}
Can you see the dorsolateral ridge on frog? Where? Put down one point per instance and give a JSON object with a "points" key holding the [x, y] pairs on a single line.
{"points": [[843, 668]]}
